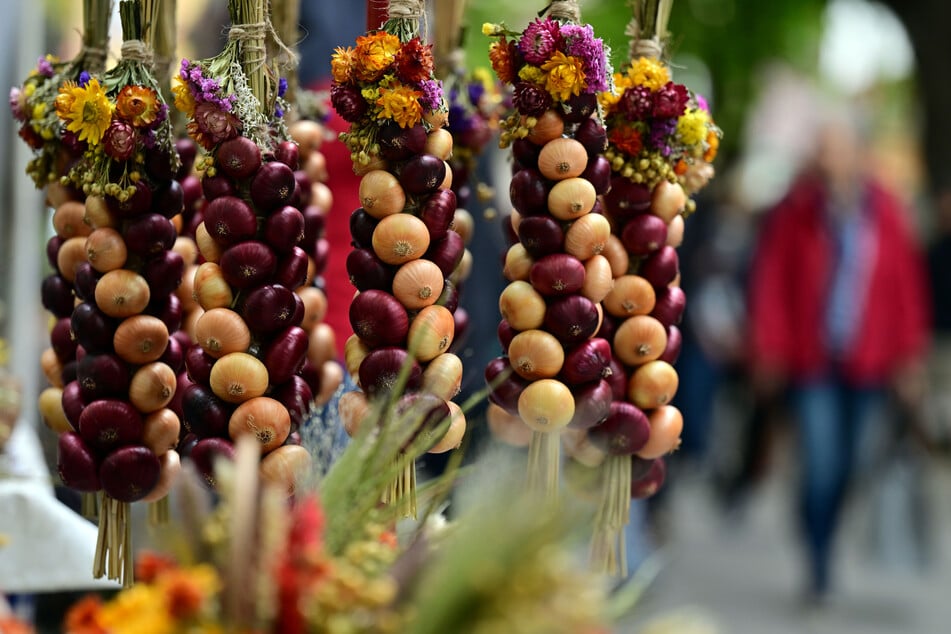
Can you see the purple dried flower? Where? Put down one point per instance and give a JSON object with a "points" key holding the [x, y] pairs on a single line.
{"points": [[44, 67], [539, 41], [119, 140], [84, 78], [636, 103], [16, 104], [278, 112], [432, 94], [530, 99], [281, 87], [670, 100], [460, 120], [348, 103], [661, 130]]}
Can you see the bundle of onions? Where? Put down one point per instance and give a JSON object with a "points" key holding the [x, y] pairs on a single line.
{"points": [[646, 205], [121, 433], [247, 372], [407, 259], [553, 372]]}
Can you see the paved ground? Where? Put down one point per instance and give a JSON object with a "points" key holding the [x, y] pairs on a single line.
{"points": [[740, 574]]}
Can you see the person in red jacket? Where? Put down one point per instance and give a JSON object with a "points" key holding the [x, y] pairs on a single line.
{"points": [[839, 315]]}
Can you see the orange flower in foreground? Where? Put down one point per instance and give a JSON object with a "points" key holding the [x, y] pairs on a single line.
{"points": [[713, 141], [138, 105], [11, 625], [150, 565], [501, 56], [84, 617], [374, 54]]}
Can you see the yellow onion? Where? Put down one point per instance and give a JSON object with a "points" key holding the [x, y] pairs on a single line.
{"points": [[122, 293], [653, 385], [536, 354], [562, 158], [51, 410], [587, 236], [141, 339], [546, 405], [506, 427], [431, 333], [331, 376], [353, 407], [105, 250], [264, 418], [381, 194], [209, 249], [399, 238], [286, 467], [518, 263], [152, 387], [443, 376], [522, 306], [220, 331], [631, 295], [548, 126], [418, 284], [161, 430], [237, 377], [639, 339], [571, 198], [598, 278], [454, 434], [666, 424], [68, 220]]}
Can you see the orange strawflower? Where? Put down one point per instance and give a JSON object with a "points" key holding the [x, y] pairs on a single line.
{"points": [[501, 55], [138, 105], [713, 141], [150, 565], [401, 104], [341, 64], [374, 54], [84, 617], [626, 139]]}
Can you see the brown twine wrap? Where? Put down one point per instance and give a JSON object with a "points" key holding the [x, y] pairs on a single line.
{"points": [[137, 51], [640, 46], [95, 58], [406, 9], [565, 10], [251, 38]]}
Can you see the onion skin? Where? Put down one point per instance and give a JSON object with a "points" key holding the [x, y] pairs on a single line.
{"points": [[229, 220], [674, 344], [108, 424], [264, 418], [588, 361], [285, 468], [378, 319], [661, 268], [666, 423], [248, 264], [670, 304], [592, 405], [297, 397], [546, 405], [286, 354], [380, 371], [272, 185], [161, 431], [204, 414], [557, 274], [572, 319], [170, 467], [269, 308], [650, 482], [653, 385]]}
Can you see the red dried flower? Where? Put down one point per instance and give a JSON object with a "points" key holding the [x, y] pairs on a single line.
{"points": [[670, 101], [626, 139], [530, 99], [502, 56], [348, 102], [414, 61]]}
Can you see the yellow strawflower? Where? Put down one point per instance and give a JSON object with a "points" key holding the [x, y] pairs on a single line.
{"points": [[400, 104], [564, 76], [184, 100], [341, 64], [645, 71], [373, 54], [532, 74], [89, 111], [692, 127]]}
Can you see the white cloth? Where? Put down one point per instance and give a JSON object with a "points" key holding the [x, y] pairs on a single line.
{"points": [[46, 547]]}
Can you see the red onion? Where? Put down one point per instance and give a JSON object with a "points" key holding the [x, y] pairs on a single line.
{"points": [[230, 220], [589, 361], [288, 153], [272, 186], [62, 340], [284, 229], [191, 191], [182, 384], [367, 271], [649, 483], [167, 308], [85, 281], [296, 395], [108, 424], [449, 298], [52, 250], [661, 268], [315, 220], [102, 376], [302, 189], [57, 295], [674, 343], [526, 153], [447, 252], [626, 199], [381, 369], [239, 157], [68, 373], [572, 319], [311, 376], [76, 464], [505, 333], [624, 431], [206, 453], [617, 377], [397, 144], [138, 203], [203, 413], [505, 386], [248, 264], [362, 225], [592, 405], [158, 165], [130, 473], [92, 328], [643, 234], [269, 308], [174, 356], [541, 236], [285, 354], [592, 136], [579, 107], [169, 200], [198, 364], [598, 171], [164, 273], [460, 320], [557, 274], [292, 269], [529, 192], [422, 174], [378, 319], [437, 212], [670, 304], [213, 187], [73, 403]]}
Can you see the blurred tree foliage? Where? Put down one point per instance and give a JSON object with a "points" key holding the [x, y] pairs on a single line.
{"points": [[731, 37]]}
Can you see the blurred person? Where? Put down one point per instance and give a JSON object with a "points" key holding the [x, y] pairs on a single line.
{"points": [[839, 317]]}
